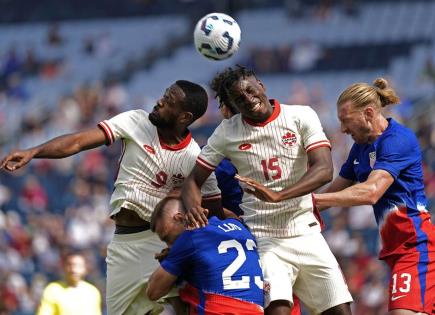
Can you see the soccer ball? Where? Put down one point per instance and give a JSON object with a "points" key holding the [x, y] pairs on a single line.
{"points": [[217, 36]]}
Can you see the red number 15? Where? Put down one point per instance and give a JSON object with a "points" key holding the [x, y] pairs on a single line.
{"points": [[271, 168]]}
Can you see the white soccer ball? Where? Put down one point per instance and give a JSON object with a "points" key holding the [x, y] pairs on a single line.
{"points": [[217, 36]]}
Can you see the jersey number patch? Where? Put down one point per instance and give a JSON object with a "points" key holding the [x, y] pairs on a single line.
{"points": [[271, 168], [244, 282]]}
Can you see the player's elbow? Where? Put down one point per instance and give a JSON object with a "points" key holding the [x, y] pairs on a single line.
{"points": [[371, 196], [326, 175]]}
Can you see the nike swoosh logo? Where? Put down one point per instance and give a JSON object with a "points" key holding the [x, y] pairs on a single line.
{"points": [[393, 298], [355, 162]]}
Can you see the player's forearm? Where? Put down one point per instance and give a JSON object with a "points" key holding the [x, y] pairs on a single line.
{"points": [[315, 177], [356, 195], [70, 144], [191, 193]]}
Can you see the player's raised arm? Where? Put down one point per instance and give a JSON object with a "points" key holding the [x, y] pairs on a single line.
{"points": [[191, 195], [56, 148]]}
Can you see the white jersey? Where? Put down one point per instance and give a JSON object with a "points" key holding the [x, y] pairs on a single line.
{"points": [[274, 153], [148, 168]]}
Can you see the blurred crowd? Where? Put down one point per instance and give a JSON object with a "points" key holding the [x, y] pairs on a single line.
{"points": [[54, 205]]}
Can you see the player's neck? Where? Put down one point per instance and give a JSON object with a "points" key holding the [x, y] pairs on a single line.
{"points": [[172, 136], [379, 126]]}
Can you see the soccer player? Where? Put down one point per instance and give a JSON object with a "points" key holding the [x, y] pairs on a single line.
{"points": [[386, 161], [74, 295], [229, 186], [273, 144], [219, 262], [158, 153]]}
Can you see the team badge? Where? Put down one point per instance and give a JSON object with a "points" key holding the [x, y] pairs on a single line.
{"points": [[372, 156], [177, 180], [289, 139]]}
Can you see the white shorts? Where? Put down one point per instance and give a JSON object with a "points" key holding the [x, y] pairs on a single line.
{"points": [[130, 263], [303, 265]]}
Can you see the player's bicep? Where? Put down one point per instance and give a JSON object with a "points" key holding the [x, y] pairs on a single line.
{"points": [[160, 284], [320, 156]]}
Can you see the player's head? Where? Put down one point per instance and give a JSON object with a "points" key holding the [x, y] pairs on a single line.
{"points": [[168, 219], [241, 90], [359, 108], [181, 104], [74, 266]]}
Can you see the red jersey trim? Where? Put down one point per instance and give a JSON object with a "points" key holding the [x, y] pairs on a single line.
{"points": [[109, 133], [205, 164], [275, 114], [318, 144], [184, 143]]}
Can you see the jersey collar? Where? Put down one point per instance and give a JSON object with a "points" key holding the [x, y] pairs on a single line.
{"points": [[275, 114], [179, 146]]}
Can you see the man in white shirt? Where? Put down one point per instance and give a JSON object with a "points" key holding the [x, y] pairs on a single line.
{"points": [[158, 154], [283, 155]]}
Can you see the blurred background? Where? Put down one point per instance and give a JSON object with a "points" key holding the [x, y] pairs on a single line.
{"points": [[66, 65]]}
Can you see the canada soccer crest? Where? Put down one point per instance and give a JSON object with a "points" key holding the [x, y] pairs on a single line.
{"points": [[289, 139]]}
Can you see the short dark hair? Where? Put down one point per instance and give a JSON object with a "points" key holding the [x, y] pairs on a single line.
{"points": [[222, 82], [159, 211], [196, 100]]}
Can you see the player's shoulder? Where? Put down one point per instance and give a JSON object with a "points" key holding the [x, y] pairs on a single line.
{"points": [[398, 134], [89, 287], [55, 287], [296, 109]]}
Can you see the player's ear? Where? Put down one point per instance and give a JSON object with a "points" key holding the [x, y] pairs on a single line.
{"points": [[369, 112], [186, 118], [179, 217]]}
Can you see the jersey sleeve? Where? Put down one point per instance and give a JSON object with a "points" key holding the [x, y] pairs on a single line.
{"points": [[120, 126], [347, 170], [394, 154], [47, 306], [312, 131], [180, 255], [214, 152]]}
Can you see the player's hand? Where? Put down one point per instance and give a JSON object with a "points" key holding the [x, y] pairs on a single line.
{"points": [[197, 217], [258, 190], [162, 255], [16, 160]]}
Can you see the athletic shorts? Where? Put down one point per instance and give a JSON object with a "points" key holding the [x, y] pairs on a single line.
{"points": [[303, 265], [130, 263], [412, 282]]}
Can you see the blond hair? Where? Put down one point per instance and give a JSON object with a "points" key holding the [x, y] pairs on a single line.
{"points": [[362, 94]]}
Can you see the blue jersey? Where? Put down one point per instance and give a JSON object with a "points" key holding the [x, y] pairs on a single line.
{"points": [[231, 191], [402, 209], [219, 259]]}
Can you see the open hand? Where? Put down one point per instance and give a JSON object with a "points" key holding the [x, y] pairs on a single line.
{"points": [[258, 190], [197, 217], [16, 160]]}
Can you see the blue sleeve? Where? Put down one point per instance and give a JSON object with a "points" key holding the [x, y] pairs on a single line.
{"points": [[395, 153], [347, 170], [180, 255]]}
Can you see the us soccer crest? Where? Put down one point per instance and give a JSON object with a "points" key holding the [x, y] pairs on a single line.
{"points": [[289, 139], [372, 156]]}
